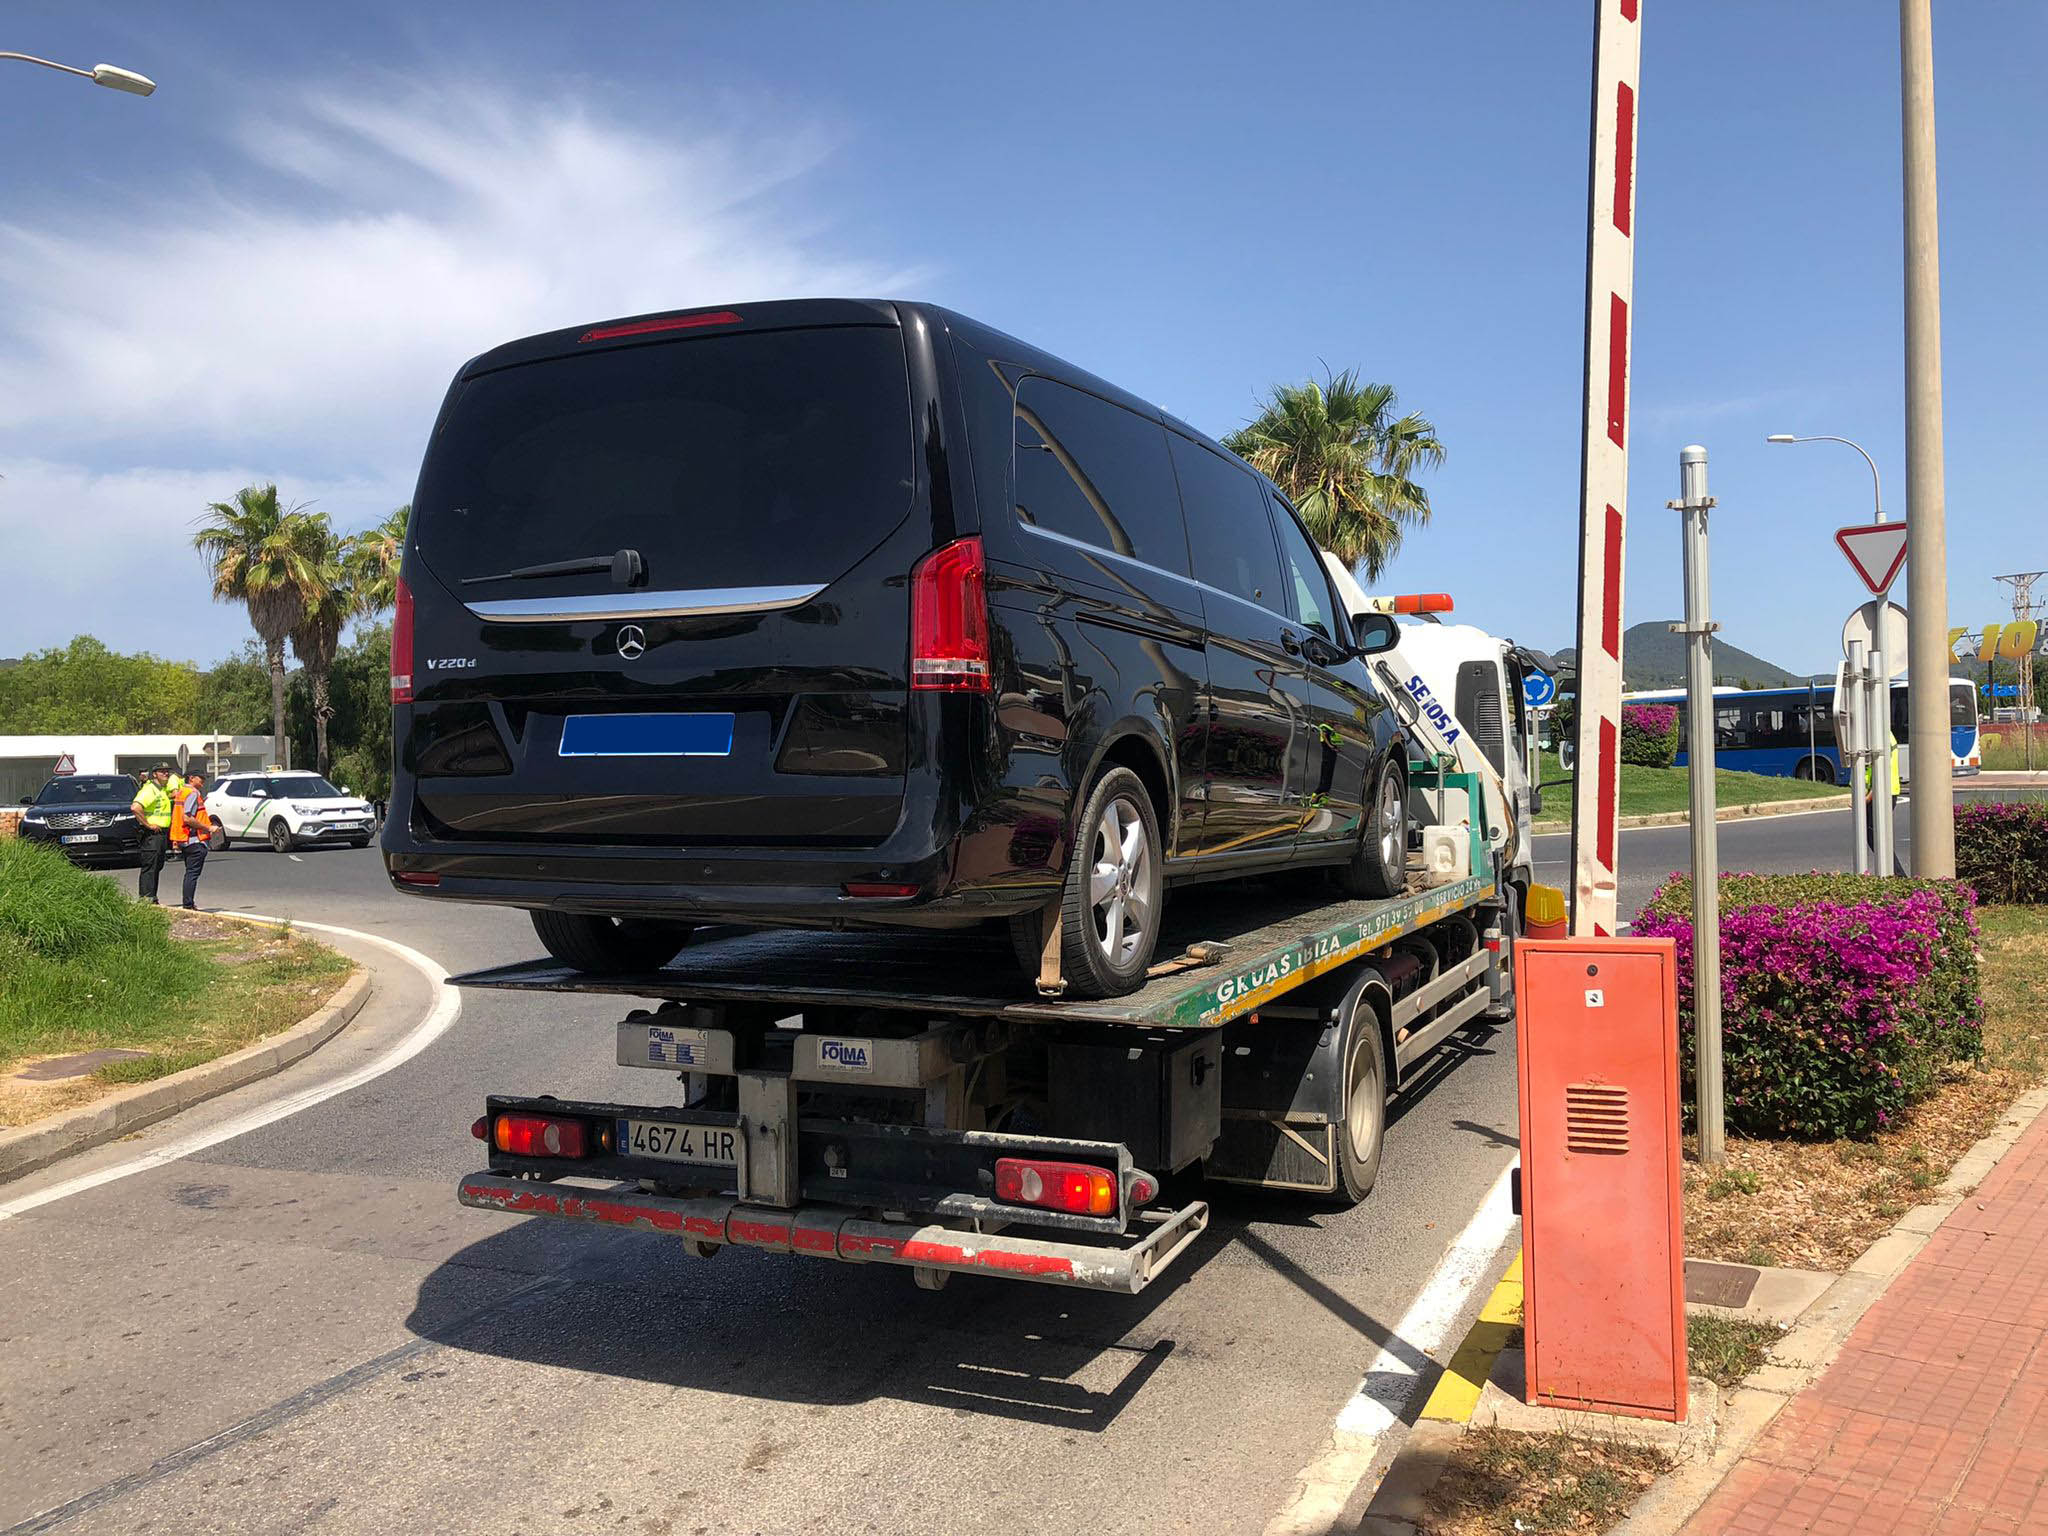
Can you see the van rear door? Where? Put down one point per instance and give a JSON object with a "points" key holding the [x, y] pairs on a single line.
{"points": [[659, 591]]}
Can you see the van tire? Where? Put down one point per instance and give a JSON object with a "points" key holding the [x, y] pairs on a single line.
{"points": [[1117, 799], [1379, 868], [607, 946]]}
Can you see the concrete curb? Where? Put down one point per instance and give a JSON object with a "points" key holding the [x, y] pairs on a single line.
{"points": [[27, 1148], [1798, 1359], [1724, 813]]}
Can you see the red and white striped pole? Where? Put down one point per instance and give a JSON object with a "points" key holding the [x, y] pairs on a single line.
{"points": [[1603, 474]]}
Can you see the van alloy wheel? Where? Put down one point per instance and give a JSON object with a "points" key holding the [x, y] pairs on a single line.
{"points": [[1120, 883], [1390, 821]]}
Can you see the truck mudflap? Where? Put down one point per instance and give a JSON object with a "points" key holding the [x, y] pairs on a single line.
{"points": [[706, 1223]]}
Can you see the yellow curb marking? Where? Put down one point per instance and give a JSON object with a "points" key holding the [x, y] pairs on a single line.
{"points": [[1456, 1392]]}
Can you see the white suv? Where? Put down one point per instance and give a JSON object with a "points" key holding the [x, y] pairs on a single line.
{"points": [[287, 810]]}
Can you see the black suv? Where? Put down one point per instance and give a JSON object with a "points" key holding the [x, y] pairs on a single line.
{"points": [[87, 816], [834, 612]]}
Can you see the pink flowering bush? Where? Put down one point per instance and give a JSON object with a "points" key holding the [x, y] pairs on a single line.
{"points": [[1841, 996], [1649, 734]]}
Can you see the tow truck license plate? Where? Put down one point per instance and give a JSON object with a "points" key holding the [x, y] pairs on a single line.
{"points": [[713, 1145]]}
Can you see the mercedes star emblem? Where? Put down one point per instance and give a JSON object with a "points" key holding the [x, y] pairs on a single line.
{"points": [[632, 641]]}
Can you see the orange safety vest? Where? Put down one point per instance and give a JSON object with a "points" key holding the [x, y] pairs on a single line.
{"points": [[202, 822]]}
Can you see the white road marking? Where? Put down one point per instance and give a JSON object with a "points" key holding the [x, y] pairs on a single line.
{"points": [[1393, 1381], [295, 858], [447, 1007]]}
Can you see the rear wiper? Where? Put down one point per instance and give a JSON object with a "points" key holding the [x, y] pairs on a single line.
{"points": [[626, 567]]}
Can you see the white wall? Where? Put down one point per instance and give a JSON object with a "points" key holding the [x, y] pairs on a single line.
{"points": [[26, 761]]}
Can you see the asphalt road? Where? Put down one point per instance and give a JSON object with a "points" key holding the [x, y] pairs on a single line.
{"points": [[299, 1329]]}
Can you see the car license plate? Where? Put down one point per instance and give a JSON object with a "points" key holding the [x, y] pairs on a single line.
{"points": [[79, 837], [715, 1145], [704, 735]]}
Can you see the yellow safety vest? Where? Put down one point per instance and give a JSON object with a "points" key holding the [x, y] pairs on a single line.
{"points": [[155, 801], [1892, 758]]}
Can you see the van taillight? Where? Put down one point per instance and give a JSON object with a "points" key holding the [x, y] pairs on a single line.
{"points": [[401, 645], [949, 620]]}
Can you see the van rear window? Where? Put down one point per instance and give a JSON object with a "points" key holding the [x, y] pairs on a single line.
{"points": [[765, 457]]}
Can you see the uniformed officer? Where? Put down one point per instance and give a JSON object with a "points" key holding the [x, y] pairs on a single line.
{"points": [[152, 807]]}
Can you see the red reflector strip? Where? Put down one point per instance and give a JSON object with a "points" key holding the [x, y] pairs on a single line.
{"points": [[416, 877], [666, 323], [875, 890]]}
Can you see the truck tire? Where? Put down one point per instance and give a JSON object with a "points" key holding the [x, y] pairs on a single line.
{"points": [[1380, 867], [605, 946], [1115, 890], [1363, 1126]]}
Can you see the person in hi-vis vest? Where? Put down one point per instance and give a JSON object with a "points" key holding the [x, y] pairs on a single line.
{"points": [[1870, 806], [191, 830], [152, 807]]}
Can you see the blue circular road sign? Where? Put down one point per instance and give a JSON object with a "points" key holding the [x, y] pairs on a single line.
{"points": [[1538, 688]]}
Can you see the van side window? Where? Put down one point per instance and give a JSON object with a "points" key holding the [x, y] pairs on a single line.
{"points": [[1096, 473], [1230, 534], [1305, 574]]}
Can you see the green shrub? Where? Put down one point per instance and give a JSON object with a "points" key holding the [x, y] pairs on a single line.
{"points": [[56, 909], [2002, 850], [1841, 995]]}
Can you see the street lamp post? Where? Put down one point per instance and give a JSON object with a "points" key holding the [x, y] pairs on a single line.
{"points": [[110, 75], [1879, 727]]}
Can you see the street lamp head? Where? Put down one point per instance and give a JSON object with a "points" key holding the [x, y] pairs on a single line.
{"points": [[1781, 437], [116, 78]]}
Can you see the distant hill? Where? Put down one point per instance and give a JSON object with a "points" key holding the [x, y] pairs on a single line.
{"points": [[1653, 657]]}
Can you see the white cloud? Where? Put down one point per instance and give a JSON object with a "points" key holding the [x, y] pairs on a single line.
{"points": [[307, 321]]}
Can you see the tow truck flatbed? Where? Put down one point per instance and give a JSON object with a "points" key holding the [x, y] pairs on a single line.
{"points": [[1235, 948]]}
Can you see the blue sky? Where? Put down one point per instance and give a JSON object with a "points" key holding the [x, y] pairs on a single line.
{"points": [[270, 268]]}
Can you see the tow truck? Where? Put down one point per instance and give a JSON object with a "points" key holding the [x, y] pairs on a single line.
{"points": [[908, 1100]]}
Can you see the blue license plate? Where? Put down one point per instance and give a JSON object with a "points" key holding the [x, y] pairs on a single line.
{"points": [[647, 736]]}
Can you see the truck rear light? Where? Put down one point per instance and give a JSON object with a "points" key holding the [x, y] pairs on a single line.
{"points": [[401, 644], [949, 620], [1077, 1187], [1144, 1189], [480, 1128], [539, 1136], [878, 890]]}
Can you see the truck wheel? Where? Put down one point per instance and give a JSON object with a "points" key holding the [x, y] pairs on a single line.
{"points": [[1109, 921], [280, 835], [609, 945], [1365, 1106], [1380, 867]]}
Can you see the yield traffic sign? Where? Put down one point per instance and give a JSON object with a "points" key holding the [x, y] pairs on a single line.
{"points": [[1875, 551]]}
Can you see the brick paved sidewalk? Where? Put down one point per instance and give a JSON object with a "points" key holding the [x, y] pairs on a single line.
{"points": [[1935, 1416]]}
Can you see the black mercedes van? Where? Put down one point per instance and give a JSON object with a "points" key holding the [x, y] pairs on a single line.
{"points": [[836, 612]]}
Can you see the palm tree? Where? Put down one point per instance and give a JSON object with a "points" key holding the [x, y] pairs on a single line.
{"points": [[371, 559], [259, 552], [1346, 461], [330, 599]]}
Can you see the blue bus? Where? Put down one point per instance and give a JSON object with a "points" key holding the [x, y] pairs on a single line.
{"points": [[1790, 732]]}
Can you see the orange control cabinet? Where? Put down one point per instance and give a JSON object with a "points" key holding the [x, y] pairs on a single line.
{"points": [[1603, 1262]]}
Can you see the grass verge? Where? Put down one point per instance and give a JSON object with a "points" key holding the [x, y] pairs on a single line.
{"points": [[83, 966], [1498, 1483], [1817, 1205], [1726, 1349], [1649, 791]]}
